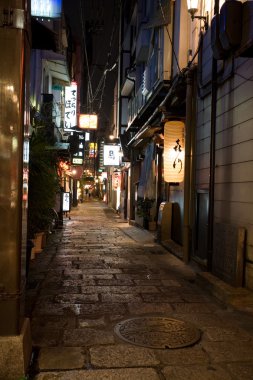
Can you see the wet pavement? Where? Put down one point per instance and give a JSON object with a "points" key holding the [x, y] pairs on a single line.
{"points": [[99, 271]]}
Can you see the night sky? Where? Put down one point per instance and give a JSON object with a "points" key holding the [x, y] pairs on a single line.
{"points": [[98, 21]]}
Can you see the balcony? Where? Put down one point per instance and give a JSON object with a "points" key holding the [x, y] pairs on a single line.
{"points": [[152, 90]]}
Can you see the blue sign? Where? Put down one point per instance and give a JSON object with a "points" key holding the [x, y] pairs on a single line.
{"points": [[46, 8]]}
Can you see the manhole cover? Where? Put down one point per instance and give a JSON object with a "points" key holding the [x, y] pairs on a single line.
{"points": [[157, 332]]}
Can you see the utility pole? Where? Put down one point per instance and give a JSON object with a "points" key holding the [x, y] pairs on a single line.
{"points": [[15, 337]]}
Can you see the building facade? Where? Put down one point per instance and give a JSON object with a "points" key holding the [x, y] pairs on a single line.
{"points": [[184, 106]]}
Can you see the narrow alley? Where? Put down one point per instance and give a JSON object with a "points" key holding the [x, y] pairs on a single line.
{"points": [[96, 273]]}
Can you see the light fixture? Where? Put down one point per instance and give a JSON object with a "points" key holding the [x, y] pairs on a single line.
{"points": [[174, 152], [193, 9]]}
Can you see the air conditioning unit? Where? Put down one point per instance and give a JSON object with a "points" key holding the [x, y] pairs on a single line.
{"points": [[246, 46], [218, 51], [230, 24]]}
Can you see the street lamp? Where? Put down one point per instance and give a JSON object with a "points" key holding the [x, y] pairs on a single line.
{"points": [[193, 9]]}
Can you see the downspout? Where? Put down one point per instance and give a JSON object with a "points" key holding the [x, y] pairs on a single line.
{"points": [[212, 156], [189, 127]]}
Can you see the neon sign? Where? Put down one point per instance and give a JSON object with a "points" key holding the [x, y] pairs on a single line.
{"points": [[46, 8]]}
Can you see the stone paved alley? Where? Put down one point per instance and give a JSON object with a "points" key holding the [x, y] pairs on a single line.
{"points": [[99, 271]]}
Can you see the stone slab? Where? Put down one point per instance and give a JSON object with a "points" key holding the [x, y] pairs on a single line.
{"points": [[122, 356], [119, 289], [218, 334], [185, 356], [83, 323], [76, 298], [87, 337], [149, 308], [51, 358], [102, 308], [229, 351], [196, 373], [194, 307], [112, 374], [123, 298]]}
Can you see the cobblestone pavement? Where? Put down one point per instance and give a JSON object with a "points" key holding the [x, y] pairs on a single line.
{"points": [[98, 271]]}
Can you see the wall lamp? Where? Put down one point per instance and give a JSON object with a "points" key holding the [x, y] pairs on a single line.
{"points": [[193, 9]]}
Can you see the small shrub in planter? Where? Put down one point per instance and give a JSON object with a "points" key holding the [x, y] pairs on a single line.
{"points": [[144, 206]]}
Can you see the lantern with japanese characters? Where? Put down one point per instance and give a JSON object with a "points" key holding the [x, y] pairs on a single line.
{"points": [[174, 151]]}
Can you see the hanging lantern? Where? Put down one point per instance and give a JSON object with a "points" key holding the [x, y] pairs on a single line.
{"points": [[174, 151]]}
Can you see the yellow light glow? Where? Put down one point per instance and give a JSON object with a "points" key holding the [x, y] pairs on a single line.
{"points": [[87, 121], [174, 151]]}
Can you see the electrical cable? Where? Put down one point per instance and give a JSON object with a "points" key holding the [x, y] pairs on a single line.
{"points": [[89, 88], [108, 57]]}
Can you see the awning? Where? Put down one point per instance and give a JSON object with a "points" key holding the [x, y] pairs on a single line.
{"points": [[161, 16], [43, 38], [59, 71]]}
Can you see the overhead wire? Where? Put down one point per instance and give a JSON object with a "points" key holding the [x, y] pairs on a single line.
{"points": [[109, 54], [89, 87]]}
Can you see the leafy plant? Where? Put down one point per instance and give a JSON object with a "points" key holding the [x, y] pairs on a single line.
{"points": [[43, 185], [143, 207]]}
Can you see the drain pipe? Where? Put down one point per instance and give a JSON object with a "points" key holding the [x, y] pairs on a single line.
{"points": [[189, 126], [212, 156]]}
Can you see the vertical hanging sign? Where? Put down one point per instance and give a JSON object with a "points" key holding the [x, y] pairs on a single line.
{"points": [[174, 151], [70, 119]]}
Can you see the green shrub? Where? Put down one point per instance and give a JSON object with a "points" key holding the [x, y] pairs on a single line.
{"points": [[43, 185]]}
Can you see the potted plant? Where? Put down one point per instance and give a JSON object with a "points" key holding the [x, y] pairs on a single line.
{"points": [[144, 206], [43, 186]]}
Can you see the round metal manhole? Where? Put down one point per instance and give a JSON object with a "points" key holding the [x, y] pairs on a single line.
{"points": [[157, 332]]}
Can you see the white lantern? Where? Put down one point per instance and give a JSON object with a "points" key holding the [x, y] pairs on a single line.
{"points": [[174, 153]]}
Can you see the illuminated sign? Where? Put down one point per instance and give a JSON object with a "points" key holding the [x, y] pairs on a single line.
{"points": [[88, 121], [26, 151], [77, 161], [70, 106], [46, 8], [111, 155], [116, 180], [93, 150], [65, 202], [174, 151]]}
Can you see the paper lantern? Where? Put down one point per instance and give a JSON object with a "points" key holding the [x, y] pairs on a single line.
{"points": [[174, 151], [87, 121]]}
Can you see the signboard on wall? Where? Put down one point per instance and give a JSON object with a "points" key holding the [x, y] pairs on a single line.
{"points": [[46, 8], [88, 121], [65, 202], [116, 180], [111, 155], [77, 161], [93, 150], [70, 119]]}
